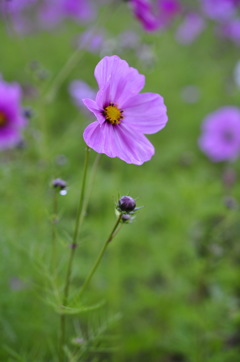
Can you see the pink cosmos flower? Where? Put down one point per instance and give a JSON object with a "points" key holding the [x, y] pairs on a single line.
{"points": [[220, 138], [11, 118], [123, 115]]}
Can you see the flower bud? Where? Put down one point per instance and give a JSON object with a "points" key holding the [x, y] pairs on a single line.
{"points": [[126, 218], [230, 202], [126, 203], [229, 177], [27, 112], [58, 183]]}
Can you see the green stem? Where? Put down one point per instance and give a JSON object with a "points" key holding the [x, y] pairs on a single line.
{"points": [[70, 65], [66, 69], [92, 177], [99, 258], [54, 229], [79, 218]]}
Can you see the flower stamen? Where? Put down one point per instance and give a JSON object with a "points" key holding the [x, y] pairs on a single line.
{"points": [[3, 119], [113, 114]]}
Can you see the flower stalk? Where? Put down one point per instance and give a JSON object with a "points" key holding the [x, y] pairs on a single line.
{"points": [[100, 255], [54, 229], [79, 218], [59, 186]]}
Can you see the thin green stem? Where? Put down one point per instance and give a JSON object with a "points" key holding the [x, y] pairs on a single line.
{"points": [[99, 258], [92, 177], [79, 218], [66, 69], [54, 229], [70, 65]]}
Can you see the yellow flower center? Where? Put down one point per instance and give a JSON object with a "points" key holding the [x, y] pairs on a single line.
{"points": [[3, 119], [113, 114]]}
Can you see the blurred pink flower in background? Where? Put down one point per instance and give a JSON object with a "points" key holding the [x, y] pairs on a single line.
{"points": [[143, 11], [191, 27], [78, 90], [168, 9], [129, 39], [50, 14], [12, 120], [219, 9], [123, 115], [220, 139], [155, 15], [92, 40], [231, 30], [29, 15], [54, 11], [83, 10], [15, 10], [15, 6]]}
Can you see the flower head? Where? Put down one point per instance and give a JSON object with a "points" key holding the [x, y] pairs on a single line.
{"points": [[126, 203], [11, 115], [123, 115], [126, 208], [220, 138], [60, 184]]}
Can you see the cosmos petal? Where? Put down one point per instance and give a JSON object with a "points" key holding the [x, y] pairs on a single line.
{"points": [[118, 141], [93, 107], [117, 80], [12, 113], [145, 112]]}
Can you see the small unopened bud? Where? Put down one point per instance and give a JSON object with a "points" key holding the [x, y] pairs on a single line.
{"points": [[78, 341], [43, 74], [126, 218], [230, 202], [28, 113], [126, 203], [73, 246], [58, 183], [229, 177]]}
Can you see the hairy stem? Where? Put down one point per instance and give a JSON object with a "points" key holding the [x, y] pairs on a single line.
{"points": [[79, 218], [54, 229], [99, 258]]}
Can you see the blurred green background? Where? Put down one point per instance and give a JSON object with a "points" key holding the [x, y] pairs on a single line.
{"points": [[170, 281]]}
